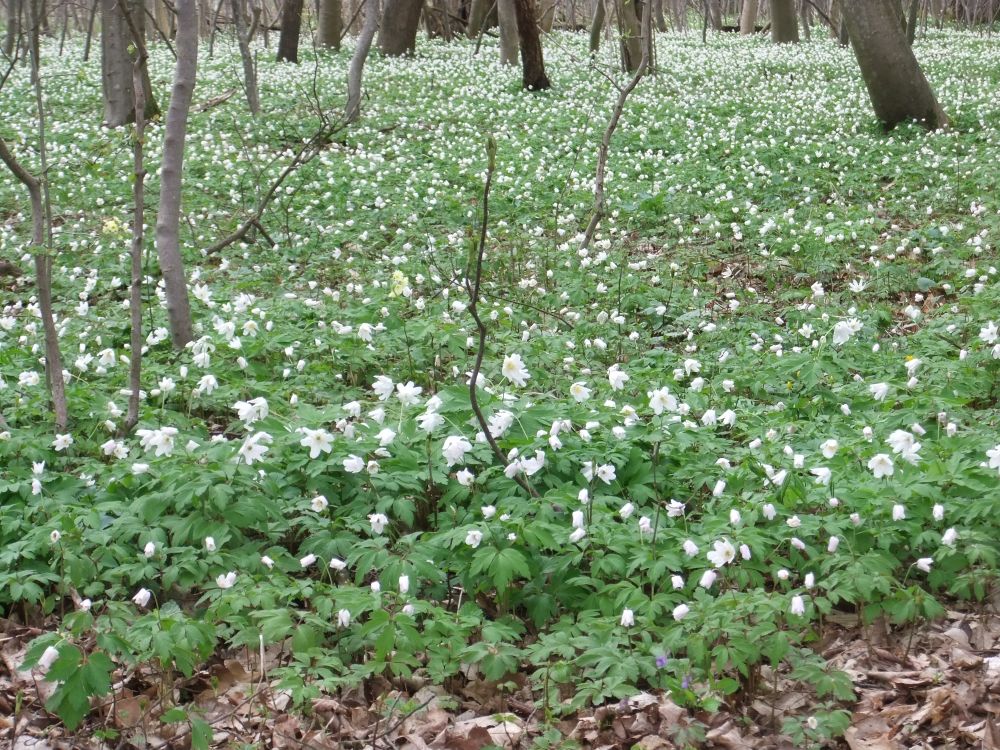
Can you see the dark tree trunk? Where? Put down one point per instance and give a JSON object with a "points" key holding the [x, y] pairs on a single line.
{"points": [[748, 18], [631, 43], [168, 247], [291, 27], [896, 84], [11, 32], [533, 75], [911, 22], [507, 20], [398, 33], [477, 17], [331, 24], [596, 27], [784, 25], [117, 61], [714, 14]]}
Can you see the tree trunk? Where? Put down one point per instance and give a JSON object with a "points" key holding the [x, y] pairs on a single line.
{"points": [[631, 42], [171, 170], [548, 15], [835, 16], [533, 76], [331, 24], [896, 84], [13, 27], [748, 19], [249, 69], [291, 28], [714, 14], [509, 45], [658, 19], [911, 22], [400, 20], [784, 25], [372, 12], [477, 17], [116, 62], [596, 27], [804, 9]]}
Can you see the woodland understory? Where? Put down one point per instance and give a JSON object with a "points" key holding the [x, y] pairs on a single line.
{"points": [[727, 473]]}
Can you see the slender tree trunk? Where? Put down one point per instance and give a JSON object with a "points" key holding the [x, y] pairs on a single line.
{"points": [[243, 37], [748, 19], [331, 24], [364, 45], [12, 30], [911, 22], [400, 21], [477, 17], [896, 84], [631, 43], [291, 28], [714, 14], [596, 27], [509, 44], [533, 76], [90, 29], [835, 16], [171, 171], [784, 25], [117, 60], [548, 16], [805, 15], [658, 19]]}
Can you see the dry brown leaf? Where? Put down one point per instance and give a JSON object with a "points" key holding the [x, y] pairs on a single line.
{"points": [[991, 736], [727, 736], [669, 711], [653, 742], [856, 741]]}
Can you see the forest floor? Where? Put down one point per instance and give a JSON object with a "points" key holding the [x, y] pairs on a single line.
{"points": [[746, 481]]}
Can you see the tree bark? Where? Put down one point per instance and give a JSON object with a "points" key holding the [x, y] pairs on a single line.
{"points": [[243, 36], [116, 62], [372, 12], [596, 27], [13, 27], [291, 29], [896, 84], [658, 19], [533, 76], [911, 22], [398, 34], [804, 12], [714, 14], [835, 17], [509, 44], [171, 170], [331, 24], [631, 43], [784, 25], [748, 19], [477, 17], [548, 16]]}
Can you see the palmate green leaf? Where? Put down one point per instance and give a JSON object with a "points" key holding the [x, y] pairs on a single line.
{"points": [[500, 565]]}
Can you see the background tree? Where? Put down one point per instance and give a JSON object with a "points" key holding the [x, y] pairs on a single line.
{"points": [[533, 75], [896, 84], [631, 42], [168, 216], [596, 27], [354, 74], [784, 24], [331, 24], [12, 29], [748, 18], [243, 37], [291, 29], [398, 33], [477, 17], [509, 43], [118, 52]]}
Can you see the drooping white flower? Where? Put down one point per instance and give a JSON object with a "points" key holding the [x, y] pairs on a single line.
{"points": [[252, 411], [924, 564], [47, 659], [707, 579], [227, 580], [829, 448], [354, 464], [142, 597], [343, 618], [473, 538], [879, 391], [378, 522], [617, 377], [881, 465], [628, 618], [798, 606], [681, 611], [949, 537], [454, 449]]}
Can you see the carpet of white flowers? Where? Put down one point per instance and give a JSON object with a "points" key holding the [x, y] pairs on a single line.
{"points": [[768, 393]]}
